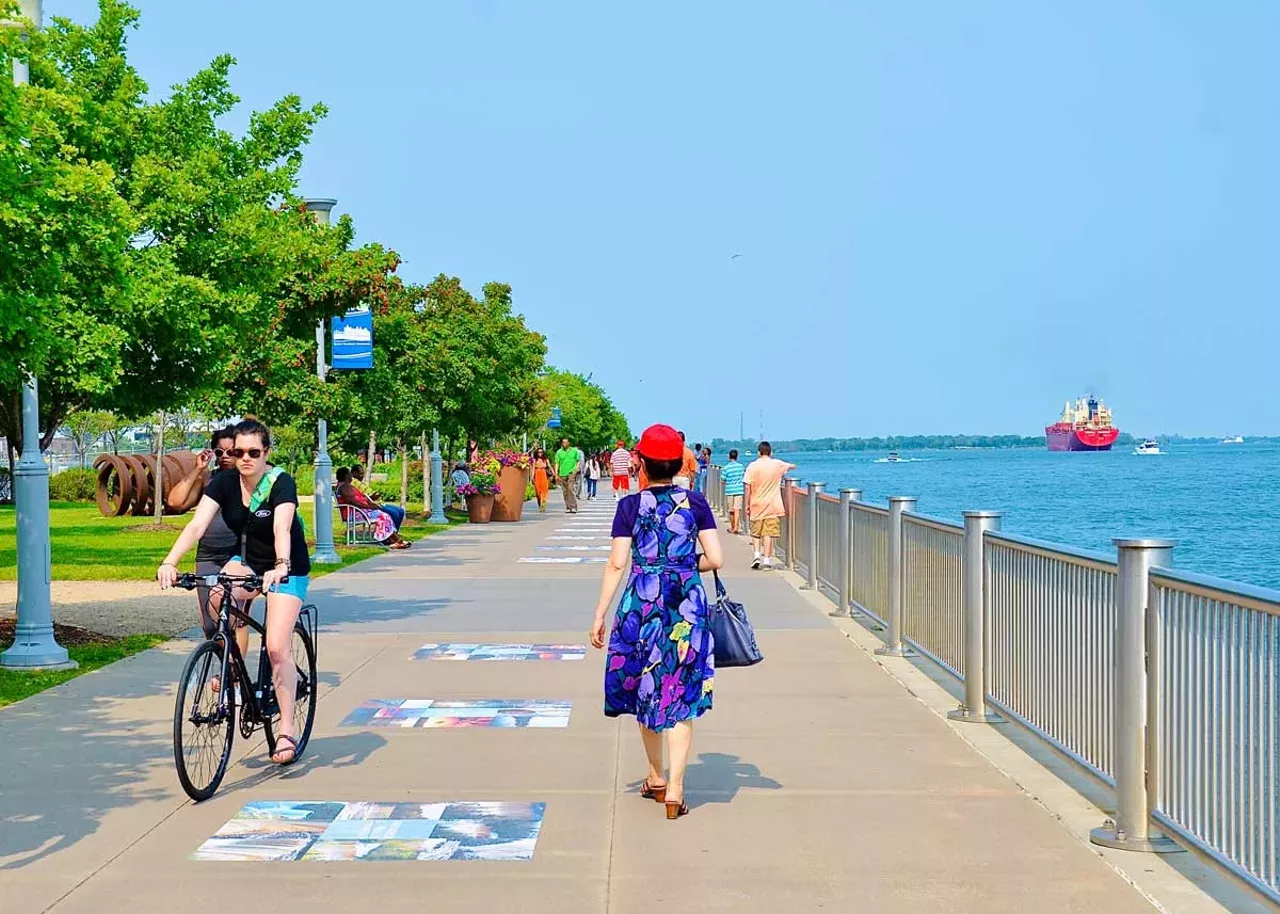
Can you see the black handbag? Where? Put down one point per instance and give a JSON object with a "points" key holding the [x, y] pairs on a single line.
{"points": [[734, 639]]}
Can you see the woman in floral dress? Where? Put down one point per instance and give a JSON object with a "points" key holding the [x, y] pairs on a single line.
{"points": [[661, 664]]}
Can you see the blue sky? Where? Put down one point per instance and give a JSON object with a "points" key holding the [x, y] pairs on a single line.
{"points": [[952, 216]]}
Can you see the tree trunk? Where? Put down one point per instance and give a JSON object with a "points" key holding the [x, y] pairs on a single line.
{"points": [[426, 476], [159, 493], [373, 443]]}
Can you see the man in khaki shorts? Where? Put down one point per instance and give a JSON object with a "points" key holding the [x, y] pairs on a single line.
{"points": [[763, 483]]}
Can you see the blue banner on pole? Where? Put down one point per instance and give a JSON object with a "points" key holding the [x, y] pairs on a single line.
{"points": [[353, 340], [554, 421]]}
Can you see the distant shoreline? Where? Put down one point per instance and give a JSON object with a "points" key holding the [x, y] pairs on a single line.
{"points": [[942, 443]]}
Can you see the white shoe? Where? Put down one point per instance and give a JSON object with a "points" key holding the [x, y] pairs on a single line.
{"points": [[755, 563]]}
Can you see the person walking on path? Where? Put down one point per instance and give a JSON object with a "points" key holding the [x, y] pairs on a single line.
{"points": [[620, 463], [593, 476], [731, 475], [763, 481], [661, 664], [541, 478], [688, 470], [704, 464], [568, 463]]}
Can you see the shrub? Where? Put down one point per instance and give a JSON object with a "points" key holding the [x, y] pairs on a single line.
{"points": [[76, 484]]}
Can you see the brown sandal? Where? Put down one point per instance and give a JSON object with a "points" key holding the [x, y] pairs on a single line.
{"points": [[676, 810], [653, 793], [292, 749]]}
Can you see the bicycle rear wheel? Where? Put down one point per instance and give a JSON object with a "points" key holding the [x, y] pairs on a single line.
{"points": [[304, 702], [203, 728]]}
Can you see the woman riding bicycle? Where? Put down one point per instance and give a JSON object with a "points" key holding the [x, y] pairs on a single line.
{"points": [[259, 504]]}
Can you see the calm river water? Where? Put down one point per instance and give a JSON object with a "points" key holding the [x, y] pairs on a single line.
{"points": [[1220, 502]]}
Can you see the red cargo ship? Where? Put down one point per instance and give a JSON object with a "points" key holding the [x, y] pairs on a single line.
{"points": [[1086, 426]]}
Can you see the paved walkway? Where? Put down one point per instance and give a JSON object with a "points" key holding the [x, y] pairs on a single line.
{"points": [[818, 783]]}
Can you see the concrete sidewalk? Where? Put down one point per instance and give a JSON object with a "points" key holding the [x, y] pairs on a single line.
{"points": [[818, 783]]}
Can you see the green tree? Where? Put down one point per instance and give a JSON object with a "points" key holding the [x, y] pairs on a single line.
{"points": [[183, 244], [482, 360], [588, 417], [86, 428], [64, 226]]}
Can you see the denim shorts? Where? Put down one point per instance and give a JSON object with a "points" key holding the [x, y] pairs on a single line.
{"points": [[295, 586]]}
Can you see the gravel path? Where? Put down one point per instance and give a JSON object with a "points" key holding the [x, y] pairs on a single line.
{"points": [[114, 607]]}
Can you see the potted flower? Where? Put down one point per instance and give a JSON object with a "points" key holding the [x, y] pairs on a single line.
{"points": [[479, 493], [511, 469]]}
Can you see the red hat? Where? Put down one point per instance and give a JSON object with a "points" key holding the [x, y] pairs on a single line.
{"points": [[661, 442]]}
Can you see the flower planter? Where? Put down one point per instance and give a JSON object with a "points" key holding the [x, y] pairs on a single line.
{"points": [[509, 502], [479, 508]]}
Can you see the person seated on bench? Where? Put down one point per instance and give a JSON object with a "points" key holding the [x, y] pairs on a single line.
{"points": [[357, 482], [383, 527]]}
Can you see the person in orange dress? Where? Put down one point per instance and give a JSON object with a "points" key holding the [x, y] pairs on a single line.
{"points": [[541, 478]]}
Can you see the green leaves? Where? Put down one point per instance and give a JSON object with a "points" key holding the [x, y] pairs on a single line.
{"points": [[588, 417]]}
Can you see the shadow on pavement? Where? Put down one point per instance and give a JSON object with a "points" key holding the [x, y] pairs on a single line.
{"points": [[716, 777], [68, 757], [345, 751]]}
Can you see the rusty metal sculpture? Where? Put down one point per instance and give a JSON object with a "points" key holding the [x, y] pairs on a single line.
{"points": [[126, 483]]}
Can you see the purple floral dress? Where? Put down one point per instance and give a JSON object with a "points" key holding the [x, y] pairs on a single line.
{"points": [[661, 665]]}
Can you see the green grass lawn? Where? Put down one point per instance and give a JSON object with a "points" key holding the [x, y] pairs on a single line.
{"points": [[90, 547], [16, 685]]}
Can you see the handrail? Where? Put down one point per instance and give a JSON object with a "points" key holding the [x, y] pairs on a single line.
{"points": [[936, 523], [1084, 557], [1246, 596], [870, 508]]}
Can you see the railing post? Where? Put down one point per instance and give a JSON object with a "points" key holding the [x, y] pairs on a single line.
{"points": [[790, 503], [1131, 828], [843, 596], [815, 489], [895, 648], [975, 610]]}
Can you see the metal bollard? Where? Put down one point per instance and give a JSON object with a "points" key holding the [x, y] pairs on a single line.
{"points": [[974, 591], [1131, 830], [895, 647], [815, 489], [790, 504], [844, 598]]}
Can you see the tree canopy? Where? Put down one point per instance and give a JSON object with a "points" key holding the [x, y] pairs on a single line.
{"points": [[588, 417], [152, 260]]}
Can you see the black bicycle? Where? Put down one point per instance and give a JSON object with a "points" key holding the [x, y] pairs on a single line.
{"points": [[204, 718]]}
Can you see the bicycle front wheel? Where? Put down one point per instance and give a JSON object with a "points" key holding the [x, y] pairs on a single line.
{"points": [[203, 725], [304, 700]]}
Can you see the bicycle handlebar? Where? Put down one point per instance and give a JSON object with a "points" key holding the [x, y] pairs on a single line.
{"points": [[189, 581]]}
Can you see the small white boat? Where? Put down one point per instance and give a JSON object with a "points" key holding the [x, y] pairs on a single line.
{"points": [[1149, 446], [1236, 440], [893, 457]]}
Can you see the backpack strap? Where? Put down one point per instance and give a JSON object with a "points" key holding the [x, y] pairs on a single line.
{"points": [[263, 489]]}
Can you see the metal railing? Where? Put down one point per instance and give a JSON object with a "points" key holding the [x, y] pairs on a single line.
{"points": [[870, 560], [798, 542], [932, 552], [830, 564], [1163, 684], [1214, 720], [1052, 643]]}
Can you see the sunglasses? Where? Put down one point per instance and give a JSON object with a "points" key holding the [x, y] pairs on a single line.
{"points": [[238, 452], [221, 451]]}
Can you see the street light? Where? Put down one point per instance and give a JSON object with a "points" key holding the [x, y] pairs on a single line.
{"points": [[325, 554], [34, 646]]}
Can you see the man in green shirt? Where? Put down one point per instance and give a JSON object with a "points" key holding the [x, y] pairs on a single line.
{"points": [[568, 464]]}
